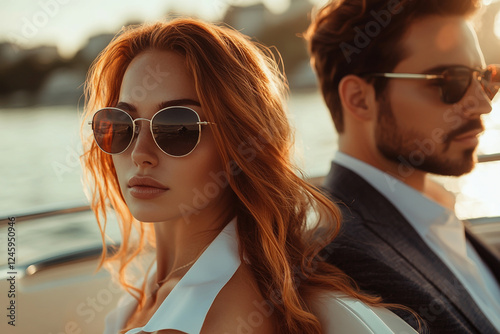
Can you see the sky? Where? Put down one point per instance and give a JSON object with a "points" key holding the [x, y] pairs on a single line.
{"points": [[69, 23]]}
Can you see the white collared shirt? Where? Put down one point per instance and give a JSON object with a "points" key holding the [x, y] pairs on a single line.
{"points": [[188, 303], [186, 307], [440, 229]]}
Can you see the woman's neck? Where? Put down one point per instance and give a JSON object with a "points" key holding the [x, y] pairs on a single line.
{"points": [[180, 242]]}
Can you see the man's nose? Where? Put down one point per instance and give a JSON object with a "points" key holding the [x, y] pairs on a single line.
{"points": [[477, 102]]}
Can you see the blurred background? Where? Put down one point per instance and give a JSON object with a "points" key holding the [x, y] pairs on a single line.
{"points": [[46, 47]]}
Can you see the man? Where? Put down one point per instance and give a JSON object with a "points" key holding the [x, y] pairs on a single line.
{"points": [[406, 84]]}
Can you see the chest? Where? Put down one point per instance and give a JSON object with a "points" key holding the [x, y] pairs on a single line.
{"points": [[141, 315]]}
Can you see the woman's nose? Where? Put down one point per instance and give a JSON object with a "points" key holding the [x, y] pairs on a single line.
{"points": [[144, 149]]}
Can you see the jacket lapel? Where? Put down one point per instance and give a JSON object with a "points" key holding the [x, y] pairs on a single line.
{"points": [[486, 254], [384, 220]]}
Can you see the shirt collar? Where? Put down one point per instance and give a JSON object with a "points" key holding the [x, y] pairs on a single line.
{"points": [[420, 211], [188, 303]]}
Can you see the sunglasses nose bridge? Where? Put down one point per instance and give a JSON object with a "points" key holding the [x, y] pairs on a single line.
{"points": [[138, 127], [476, 100], [483, 82], [490, 81]]}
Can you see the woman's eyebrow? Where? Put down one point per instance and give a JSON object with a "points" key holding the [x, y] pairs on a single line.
{"points": [[126, 107], [178, 102], [162, 105]]}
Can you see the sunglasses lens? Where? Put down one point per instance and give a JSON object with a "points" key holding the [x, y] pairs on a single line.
{"points": [[456, 83], [113, 130], [176, 130]]}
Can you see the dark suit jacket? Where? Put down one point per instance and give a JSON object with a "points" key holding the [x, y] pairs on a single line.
{"points": [[380, 250]]}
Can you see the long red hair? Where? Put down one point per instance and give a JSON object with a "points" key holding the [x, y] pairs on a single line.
{"points": [[242, 90]]}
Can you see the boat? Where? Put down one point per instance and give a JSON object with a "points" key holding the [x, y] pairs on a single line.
{"points": [[58, 290]]}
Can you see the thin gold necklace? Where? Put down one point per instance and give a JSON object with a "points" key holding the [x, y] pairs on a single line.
{"points": [[159, 283]]}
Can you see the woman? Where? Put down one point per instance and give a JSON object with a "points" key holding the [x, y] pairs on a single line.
{"points": [[192, 150]]}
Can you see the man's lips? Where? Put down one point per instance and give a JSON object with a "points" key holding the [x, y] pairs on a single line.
{"points": [[468, 135], [469, 130], [468, 139]]}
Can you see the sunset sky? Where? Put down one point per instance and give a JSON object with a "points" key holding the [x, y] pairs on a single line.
{"points": [[69, 23]]}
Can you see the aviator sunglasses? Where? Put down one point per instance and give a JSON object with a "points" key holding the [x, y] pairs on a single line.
{"points": [[176, 130], [454, 81]]}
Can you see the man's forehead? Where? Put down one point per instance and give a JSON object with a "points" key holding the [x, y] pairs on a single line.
{"points": [[435, 41]]}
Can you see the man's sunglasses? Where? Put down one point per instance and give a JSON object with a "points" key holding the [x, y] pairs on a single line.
{"points": [[455, 81], [176, 130]]}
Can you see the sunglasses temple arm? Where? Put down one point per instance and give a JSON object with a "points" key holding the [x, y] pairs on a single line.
{"points": [[205, 123]]}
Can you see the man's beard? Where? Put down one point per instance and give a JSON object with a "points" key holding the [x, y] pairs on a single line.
{"points": [[415, 150]]}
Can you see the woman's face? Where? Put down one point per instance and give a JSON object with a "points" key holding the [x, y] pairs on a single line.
{"points": [[158, 187]]}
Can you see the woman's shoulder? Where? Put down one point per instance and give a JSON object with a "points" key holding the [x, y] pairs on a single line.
{"points": [[341, 314], [240, 307]]}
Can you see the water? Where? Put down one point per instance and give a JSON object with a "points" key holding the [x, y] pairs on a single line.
{"points": [[39, 158], [40, 148]]}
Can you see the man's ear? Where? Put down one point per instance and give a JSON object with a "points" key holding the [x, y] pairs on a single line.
{"points": [[357, 97]]}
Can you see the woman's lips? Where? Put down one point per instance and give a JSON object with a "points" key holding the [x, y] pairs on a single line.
{"points": [[145, 187], [143, 192]]}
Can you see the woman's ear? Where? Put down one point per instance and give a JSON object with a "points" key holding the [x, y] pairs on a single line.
{"points": [[357, 97]]}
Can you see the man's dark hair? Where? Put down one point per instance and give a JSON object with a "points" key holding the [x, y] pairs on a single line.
{"points": [[362, 36]]}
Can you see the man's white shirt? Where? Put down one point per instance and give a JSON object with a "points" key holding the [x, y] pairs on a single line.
{"points": [[440, 229]]}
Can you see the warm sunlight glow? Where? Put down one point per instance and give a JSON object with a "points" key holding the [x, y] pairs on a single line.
{"points": [[497, 25]]}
